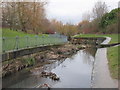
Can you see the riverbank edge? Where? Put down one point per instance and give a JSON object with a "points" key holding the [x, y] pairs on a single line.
{"points": [[52, 53], [42, 57], [101, 73], [112, 57]]}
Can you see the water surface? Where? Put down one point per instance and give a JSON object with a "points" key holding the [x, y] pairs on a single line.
{"points": [[74, 72]]}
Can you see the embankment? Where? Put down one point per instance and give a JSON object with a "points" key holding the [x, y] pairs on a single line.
{"points": [[52, 53]]}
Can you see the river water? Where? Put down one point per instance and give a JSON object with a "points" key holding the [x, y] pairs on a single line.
{"points": [[82, 70]]}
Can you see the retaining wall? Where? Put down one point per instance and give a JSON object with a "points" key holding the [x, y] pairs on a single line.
{"points": [[23, 52], [88, 40]]}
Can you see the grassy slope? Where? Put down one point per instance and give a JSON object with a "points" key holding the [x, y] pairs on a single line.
{"points": [[10, 36], [10, 33], [10, 42], [113, 61], [112, 53]]}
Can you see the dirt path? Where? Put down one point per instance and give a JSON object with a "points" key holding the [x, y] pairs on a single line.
{"points": [[101, 74]]}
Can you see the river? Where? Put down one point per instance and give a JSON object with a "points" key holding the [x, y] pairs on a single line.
{"points": [[87, 68]]}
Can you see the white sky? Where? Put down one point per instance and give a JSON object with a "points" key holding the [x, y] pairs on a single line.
{"points": [[72, 10]]}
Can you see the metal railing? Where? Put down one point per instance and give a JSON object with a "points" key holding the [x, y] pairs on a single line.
{"points": [[17, 43]]}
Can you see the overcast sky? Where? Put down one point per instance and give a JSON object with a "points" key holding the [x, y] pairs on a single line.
{"points": [[72, 10]]}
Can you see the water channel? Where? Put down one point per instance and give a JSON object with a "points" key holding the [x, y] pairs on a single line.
{"points": [[88, 68]]}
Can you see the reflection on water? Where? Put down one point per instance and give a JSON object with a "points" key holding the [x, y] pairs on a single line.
{"points": [[91, 51], [89, 54], [74, 72]]}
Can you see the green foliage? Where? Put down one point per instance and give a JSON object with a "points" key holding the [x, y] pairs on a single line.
{"points": [[109, 18], [29, 61], [12, 33], [24, 40], [107, 24], [79, 46], [113, 61]]}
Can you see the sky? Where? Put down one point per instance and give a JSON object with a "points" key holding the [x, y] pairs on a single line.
{"points": [[71, 11]]}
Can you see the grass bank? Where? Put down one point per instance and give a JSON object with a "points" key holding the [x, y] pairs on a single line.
{"points": [[112, 53], [12, 33], [113, 36], [13, 40], [114, 64]]}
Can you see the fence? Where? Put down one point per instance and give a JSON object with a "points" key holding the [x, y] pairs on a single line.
{"points": [[16, 43]]}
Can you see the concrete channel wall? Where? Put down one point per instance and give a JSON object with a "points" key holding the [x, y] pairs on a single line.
{"points": [[23, 52], [88, 40]]}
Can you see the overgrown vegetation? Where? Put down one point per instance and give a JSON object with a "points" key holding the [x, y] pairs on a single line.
{"points": [[29, 61], [110, 18], [109, 22], [106, 23]]}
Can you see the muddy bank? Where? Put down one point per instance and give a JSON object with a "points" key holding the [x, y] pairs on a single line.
{"points": [[39, 59]]}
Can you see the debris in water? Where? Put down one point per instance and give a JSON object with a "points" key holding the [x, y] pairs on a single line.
{"points": [[45, 85], [51, 75]]}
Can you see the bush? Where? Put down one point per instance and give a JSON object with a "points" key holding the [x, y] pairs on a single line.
{"points": [[113, 28], [109, 18]]}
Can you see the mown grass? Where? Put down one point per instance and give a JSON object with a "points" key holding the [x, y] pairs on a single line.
{"points": [[113, 36], [6, 32], [14, 40], [112, 53], [113, 61]]}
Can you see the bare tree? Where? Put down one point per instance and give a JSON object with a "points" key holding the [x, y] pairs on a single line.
{"points": [[99, 9], [24, 16], [119, 4], [86, 16]]}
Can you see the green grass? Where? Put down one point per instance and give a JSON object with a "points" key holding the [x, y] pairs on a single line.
{"points": [[113, 61], [11, 33], [113, 36], [29, 61], [24, 40], [112, 53]]}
